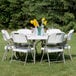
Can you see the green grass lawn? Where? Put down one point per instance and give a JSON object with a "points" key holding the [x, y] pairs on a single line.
{"points": [[55, 69]]}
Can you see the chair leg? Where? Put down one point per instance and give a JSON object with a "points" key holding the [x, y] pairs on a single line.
{"points": [[58, 55], [70, 54], [42, 56], [26, 58], [48, 58], [32, 55], [63, 57], [4, 55], [15, 55], [12, 57]]}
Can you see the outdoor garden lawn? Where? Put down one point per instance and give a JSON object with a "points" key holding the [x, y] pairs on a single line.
{"points": [[39, 69]]}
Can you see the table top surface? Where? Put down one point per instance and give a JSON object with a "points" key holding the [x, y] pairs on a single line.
{"points": [[37, 37], [32, 36]]}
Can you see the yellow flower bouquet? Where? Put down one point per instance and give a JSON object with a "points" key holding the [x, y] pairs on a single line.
{"points": [[40, 29], [34, 22], [44, 21]]}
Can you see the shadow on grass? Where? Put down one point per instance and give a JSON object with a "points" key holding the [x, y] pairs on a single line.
{"points": [[67, 57], [53, 57]]}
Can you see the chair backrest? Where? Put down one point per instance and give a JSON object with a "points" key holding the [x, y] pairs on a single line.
{"points": [[19, 38], [5, 35], [50, 31], [25, 31], [55, 38], [70, 34]]}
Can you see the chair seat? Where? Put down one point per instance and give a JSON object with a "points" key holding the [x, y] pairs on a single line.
{"points": [[51, 50], [67, 47], [22, 49], [8, 47]]}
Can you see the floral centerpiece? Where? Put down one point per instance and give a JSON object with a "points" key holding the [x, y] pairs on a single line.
{"points": [[40, 29], [44, 21], [34, 22]]}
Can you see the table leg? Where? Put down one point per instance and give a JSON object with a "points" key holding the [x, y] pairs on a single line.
{"points": [[34, 52]]}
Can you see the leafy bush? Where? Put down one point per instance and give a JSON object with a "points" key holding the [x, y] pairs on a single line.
{"points": [[68, 17], [16, 14]]}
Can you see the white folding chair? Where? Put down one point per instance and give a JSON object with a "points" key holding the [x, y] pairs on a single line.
{"points": [[66, 45], [53, 39], [7, 38], [70, 34], [21, 39]]}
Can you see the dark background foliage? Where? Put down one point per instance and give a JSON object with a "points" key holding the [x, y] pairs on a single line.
{"points": [[16, 14]]}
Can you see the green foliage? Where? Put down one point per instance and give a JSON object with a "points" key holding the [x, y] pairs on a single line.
{"points": [[68, 17], [17, 13]]}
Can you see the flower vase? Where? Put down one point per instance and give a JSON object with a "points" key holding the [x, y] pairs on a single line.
{"points": [[42, 30], [35, 31], [39, 30]]}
